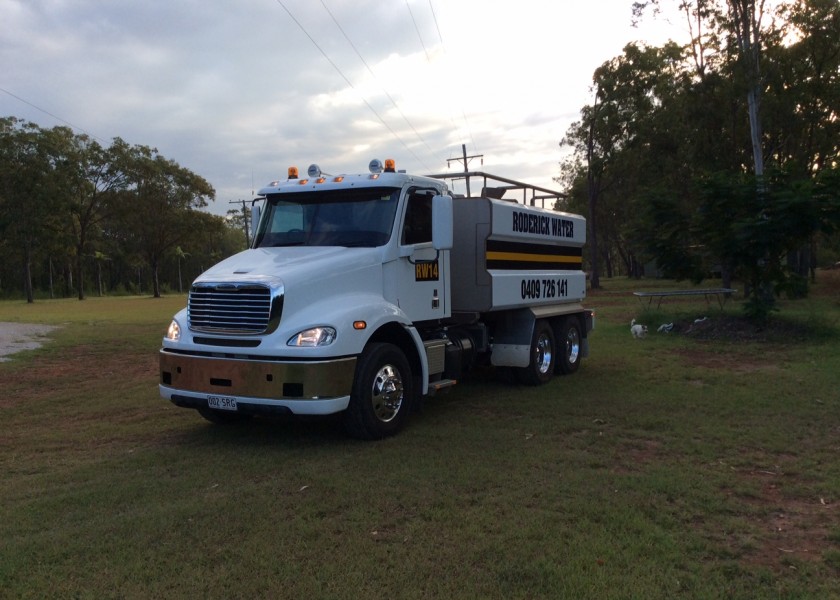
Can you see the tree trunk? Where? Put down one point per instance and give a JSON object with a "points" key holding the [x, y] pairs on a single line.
{"points": [[746, 19], [595, 279], [155, 280], [80, 274], [52, 293], [754, 103], [67, 276], [27, 274]]}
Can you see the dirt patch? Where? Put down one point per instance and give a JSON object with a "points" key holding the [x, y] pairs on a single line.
{"points": [[15, 337], [634, 456], [742, 363], [730, 328], [741, 329], [787, 529]]}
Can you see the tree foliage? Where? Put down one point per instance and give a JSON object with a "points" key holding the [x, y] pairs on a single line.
{"points": [[720, 156], [70, 207]]}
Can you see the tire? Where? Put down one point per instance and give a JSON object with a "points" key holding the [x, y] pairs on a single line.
{"points": [[570, 354], [543, 356], [380, 402], [220, 417]]}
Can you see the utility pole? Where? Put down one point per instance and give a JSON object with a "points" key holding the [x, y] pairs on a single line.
{"points": [[244, 219], [465, 160]]}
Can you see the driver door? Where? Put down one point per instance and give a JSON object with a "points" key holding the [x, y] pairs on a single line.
{"points": [[421, 271]]}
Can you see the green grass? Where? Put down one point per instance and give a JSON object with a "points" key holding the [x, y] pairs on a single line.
{"points": [[666, 467]]}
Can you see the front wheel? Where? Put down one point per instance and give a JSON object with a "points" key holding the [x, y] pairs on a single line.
{"points": [[541, 367], [570, 346], [382, 393]]}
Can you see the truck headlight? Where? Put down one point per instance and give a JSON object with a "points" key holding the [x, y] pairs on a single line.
{"points": [[317, 336], [173, 334]]}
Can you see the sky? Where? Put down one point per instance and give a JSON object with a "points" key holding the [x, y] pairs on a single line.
{"points": [[238, 91]]}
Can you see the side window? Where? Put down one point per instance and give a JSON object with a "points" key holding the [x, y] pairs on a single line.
{"points": [[417, 227]]}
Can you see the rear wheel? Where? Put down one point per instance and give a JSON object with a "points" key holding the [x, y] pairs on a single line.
{"points": [[543, 356], [570, 353], [382, 393]]}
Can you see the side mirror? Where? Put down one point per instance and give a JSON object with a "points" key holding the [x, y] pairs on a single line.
{"points": [[442, 222], [255, 220]]}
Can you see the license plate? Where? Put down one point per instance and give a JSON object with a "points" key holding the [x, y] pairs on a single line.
{"points": [[221, 402]]}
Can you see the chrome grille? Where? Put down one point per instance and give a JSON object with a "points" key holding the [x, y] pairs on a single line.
{"points": [[238, 308]]}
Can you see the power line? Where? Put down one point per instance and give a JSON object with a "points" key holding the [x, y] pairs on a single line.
{"points": [[437, 26], [46, 112], [364, 62], [344, 77], [443, 47], [417, 29]]}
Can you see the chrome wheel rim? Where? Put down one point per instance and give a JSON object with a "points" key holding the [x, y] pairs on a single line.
{"points": [[387, 393], [573, 346], [543, 351]]}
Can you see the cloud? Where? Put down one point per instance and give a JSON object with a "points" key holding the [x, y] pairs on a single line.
{"points": [[239, 91]]}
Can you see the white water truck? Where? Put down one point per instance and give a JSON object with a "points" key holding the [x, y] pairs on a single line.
{"points": [[362, 293]]}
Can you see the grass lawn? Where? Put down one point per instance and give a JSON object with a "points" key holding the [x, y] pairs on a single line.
{"points": [[700, 463]]}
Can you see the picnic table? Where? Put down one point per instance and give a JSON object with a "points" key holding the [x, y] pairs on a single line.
{"points": [[722, 295]]}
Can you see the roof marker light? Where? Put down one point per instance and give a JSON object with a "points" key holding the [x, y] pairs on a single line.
{"points": [[303, 181], [339, 179], [321, 180]]}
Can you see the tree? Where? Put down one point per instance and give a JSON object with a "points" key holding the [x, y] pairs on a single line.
{"points": [[67, 202], [803, 88], [160, 212], [748, 95], [617, 145], [745, 18], [743, 22], [241, 219], [802, 100], [90, 176], [26, 195]]}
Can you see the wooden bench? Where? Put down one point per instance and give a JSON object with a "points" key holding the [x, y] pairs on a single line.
{"points": [[722, 295]]}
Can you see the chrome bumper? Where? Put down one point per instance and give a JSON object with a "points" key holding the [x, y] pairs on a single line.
{"points": [[292, 383]]}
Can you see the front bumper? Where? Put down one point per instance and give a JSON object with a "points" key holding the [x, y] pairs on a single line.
{"points": [[258, 386]]}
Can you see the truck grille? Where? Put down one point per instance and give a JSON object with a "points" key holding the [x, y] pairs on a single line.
{"points": [[236, 308]]}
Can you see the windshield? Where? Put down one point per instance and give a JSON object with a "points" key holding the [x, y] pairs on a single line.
{"points": [[350, 218]]}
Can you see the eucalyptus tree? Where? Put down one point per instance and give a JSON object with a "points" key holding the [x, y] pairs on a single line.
{"points": [[620, 141], [26, 195], [802, 102], [803, 88], [776, 64], [161, 212], [739, 28], [91, 177]]}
